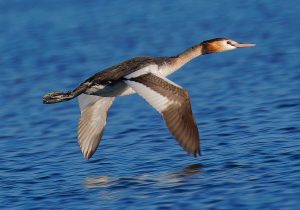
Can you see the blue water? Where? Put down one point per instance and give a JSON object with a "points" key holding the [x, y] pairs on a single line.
{"points": [[246, 103]]}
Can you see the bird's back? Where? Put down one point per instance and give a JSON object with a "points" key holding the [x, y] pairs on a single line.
{"points": [[118, 71]]}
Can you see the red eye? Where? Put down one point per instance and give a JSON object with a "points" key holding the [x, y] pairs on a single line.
{"points": [[229, 42]]}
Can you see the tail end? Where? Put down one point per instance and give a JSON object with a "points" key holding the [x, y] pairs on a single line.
{"points": [[56, 97]]}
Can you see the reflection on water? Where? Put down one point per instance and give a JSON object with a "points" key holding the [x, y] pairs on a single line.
{"points": [[191, 169], [162, 179]]}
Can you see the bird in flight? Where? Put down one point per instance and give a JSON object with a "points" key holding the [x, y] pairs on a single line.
{"points": [[146, 76]]}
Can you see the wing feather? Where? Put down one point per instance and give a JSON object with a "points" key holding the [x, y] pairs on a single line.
{"points": [[173, 103], [92, 122]]}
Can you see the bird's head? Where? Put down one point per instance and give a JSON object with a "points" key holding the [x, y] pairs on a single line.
{"points": [[221, 45]]}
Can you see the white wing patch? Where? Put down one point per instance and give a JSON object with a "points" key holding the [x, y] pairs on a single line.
{"points": [[148, 69], [155, 99]]}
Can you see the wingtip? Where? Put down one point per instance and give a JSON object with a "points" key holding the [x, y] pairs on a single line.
{"points": [[197, 153], [87, 156]]}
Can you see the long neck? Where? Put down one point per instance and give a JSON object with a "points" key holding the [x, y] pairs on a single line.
{"points": [[187, 55]]}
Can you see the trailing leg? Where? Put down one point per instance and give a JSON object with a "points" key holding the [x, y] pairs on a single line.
{"points": [[56, 97]]}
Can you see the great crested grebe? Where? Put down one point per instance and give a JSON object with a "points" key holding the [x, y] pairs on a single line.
{"points": [[145, 76]]}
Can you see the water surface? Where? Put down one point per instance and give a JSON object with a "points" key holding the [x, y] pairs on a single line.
{"points": [[246, 103]]}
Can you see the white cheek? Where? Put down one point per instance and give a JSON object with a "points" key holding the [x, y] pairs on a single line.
{"points": [[228, 46]]}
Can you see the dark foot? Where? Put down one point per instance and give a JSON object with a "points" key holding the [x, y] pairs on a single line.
{"points": [[55, 97]]}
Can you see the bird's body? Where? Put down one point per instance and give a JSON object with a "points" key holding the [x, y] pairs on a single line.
{"points": [[109, 81], [147, 77]]}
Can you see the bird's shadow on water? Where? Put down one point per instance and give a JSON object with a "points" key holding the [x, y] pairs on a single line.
{"points": [[145, 179]]}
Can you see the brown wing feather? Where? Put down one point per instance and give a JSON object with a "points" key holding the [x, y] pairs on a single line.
{"points": [[179, 120]]}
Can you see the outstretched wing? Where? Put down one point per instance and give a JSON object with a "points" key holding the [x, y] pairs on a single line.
{"points": [[173, 103], [92, 122]]}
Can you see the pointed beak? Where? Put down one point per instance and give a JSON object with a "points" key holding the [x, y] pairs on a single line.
{"points": [[241, 45]]}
